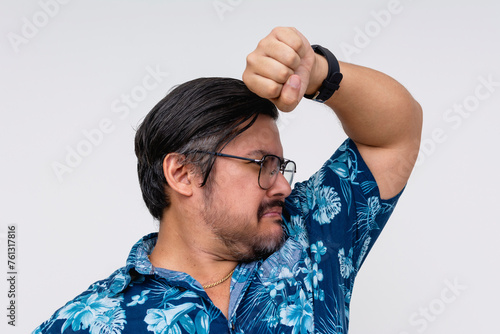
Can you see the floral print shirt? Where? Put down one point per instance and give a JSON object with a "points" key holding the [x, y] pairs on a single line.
{"points": [[332, 221]]}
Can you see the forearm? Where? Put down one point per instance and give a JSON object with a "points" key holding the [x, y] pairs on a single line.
{"points": [[380, 116], [376, 112]]}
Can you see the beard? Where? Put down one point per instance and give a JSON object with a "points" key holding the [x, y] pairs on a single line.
{"points": [[245, 241]]}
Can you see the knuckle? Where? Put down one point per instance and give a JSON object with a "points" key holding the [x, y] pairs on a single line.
{"points": [[295, 42], [277, 30], [274, 90], [283, 74], [263, 44], [250, 58], [290, 59]]}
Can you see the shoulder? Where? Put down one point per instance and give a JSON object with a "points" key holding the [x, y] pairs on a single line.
{"points": [[333, 184], [102, 300]]}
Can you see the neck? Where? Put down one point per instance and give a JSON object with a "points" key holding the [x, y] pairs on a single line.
{"points": [[189, 246]]}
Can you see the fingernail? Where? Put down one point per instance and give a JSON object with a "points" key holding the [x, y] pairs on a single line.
{"points": [[294, 81]]}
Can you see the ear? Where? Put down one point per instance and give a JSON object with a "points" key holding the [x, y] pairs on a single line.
{"points": [[179, 176]]}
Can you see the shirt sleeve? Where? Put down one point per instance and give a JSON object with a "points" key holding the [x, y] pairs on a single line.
{"points": [[341, 212]]}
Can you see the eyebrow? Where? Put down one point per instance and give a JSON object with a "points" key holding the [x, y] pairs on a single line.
{"points": [[262, 153]]}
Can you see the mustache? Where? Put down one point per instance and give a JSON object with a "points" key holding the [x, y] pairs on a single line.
{"points": [[268, 205]]}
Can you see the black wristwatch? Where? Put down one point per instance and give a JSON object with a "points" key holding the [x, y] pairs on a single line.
{"points": [[333, 79]]}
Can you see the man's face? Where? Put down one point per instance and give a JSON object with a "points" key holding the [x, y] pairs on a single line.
{"points": [[244, 217]]}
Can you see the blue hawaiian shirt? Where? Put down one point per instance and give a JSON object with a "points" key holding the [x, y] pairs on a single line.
{"points": [[332, 221]]}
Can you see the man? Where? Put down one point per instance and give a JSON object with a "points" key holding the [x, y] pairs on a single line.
{"points": [[238, 251]]}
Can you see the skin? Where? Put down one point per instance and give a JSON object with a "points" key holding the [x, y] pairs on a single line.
{"points": [[239, 213], [376, 112], [207, 234]]}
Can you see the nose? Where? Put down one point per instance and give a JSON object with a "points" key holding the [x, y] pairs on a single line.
{"points": [[280, 188]]}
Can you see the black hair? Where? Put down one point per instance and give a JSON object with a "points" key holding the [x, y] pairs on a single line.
{"points": [[204, 114]]}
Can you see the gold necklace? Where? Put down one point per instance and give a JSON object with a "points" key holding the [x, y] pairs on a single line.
{"points": [[211, 285]]}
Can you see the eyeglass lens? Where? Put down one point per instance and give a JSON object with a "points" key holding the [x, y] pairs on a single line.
{"points": [[270, 168]]}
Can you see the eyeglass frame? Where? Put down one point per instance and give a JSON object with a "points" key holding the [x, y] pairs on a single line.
{"points": [[260, 162]]}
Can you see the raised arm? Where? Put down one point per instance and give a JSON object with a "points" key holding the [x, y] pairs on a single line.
{"points": [[376, 112]]}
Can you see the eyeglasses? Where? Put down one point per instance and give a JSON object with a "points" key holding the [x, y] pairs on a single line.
{"points": [[270, 165]]}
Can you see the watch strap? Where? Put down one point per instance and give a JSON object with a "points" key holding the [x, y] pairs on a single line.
{"points": [[333, 78]]}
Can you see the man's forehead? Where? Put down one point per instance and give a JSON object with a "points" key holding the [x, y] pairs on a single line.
{"points": [[261, 153], [261, 138]]}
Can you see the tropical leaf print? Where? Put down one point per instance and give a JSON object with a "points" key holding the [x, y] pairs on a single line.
{"points": [[84, 312], [346, 267], [166, 292], [202, 322], [328, 205], [345, 167], [299, 289], [368, 186], [187, 323], [297, 230], [111, 322], [367, 213], [340, 169], [364, 251], [332, 321], [261, 308], [347, 299]]}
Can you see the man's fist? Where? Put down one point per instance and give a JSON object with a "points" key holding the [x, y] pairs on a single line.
{"points": [[279, 69]]}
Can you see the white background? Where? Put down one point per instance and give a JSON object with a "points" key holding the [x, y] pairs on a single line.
{"points": [[63, 78]]}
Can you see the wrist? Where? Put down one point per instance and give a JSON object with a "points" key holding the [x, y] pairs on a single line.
{"points": [[333, 77], [318, 74]]}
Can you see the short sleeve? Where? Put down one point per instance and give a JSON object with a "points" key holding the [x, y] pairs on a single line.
{"points": [[341, 211]]}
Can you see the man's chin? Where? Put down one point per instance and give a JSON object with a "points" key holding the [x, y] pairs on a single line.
{"points": [[272, 229], [274, 219], [263, 246]]}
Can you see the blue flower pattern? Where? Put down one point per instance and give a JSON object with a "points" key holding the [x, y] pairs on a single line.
{"points": [[331, 220], [139, 299]]}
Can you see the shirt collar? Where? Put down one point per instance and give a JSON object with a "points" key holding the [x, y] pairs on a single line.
{"points": [[138, 257], [137, 262]]}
